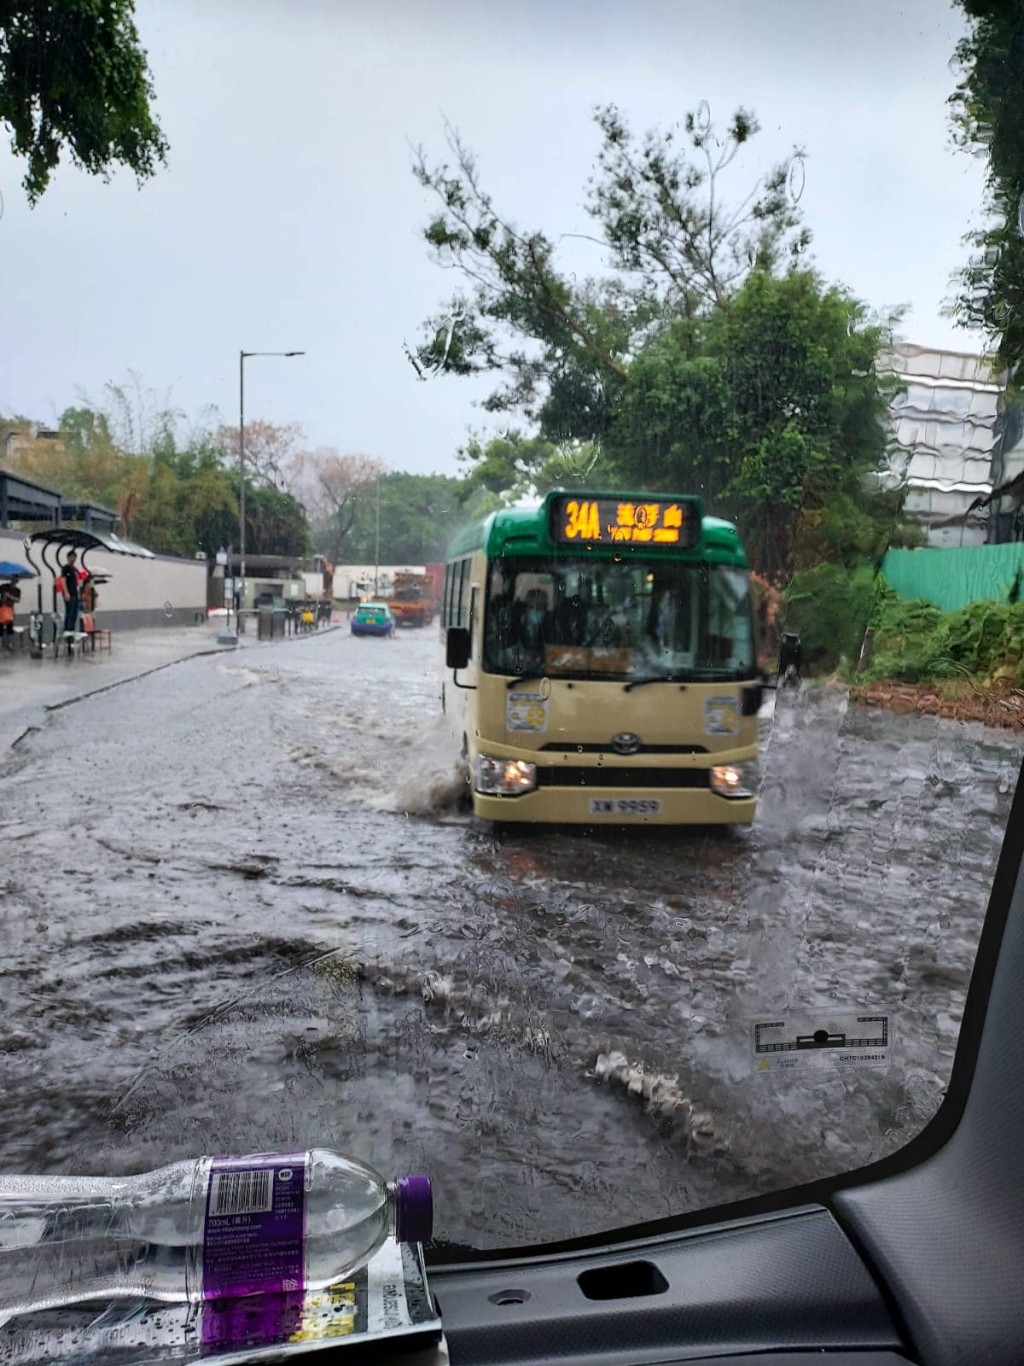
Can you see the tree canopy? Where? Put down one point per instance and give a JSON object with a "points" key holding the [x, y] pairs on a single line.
{"points": [[771, 409], [174, 490], [985, 110], [334, 489], [710, 357], [419, 513], [73, 77], [515, 465], [563, 347]]}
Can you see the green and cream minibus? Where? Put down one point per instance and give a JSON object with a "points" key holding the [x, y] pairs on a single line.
{"points": [[603, 657]]}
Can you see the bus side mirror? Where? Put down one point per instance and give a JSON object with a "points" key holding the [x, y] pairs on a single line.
{"points": [[457, 647], [751, 698]]}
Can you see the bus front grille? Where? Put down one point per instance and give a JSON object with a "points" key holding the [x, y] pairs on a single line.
{"points": [[604, 777], [608, 748]]}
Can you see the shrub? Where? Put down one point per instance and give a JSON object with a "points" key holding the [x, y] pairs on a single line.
{"points": [[915, 642], [830, 607]]}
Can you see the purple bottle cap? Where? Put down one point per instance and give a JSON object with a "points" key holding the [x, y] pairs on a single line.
{"points": [[414, 1220]]}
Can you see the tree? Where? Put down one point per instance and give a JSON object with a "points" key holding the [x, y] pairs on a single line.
{"points": [[272, 453], [123, 454], [513, 466], [986, 109], [97, 468], [210, 507], [331, 487], [275, 523], [73, 76], [772, 409], [661, 211], [712, 359], [139, 418], [175, 490], [419, 513], [275, 520], [564, 348]]}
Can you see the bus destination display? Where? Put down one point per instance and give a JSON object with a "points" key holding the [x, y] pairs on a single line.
{"points": [[605, 521]]}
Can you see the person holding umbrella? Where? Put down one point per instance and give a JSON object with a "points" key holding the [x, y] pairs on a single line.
{"points": [[10, 596]]}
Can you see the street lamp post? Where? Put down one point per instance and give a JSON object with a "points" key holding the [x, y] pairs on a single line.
{"points": [[376, 546], [243, 356]]}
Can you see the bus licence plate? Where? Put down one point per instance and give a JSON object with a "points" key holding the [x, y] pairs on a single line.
{"points": [[624, 806]]}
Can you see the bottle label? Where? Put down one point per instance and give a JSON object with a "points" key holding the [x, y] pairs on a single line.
{"points": [[254, 1226]]}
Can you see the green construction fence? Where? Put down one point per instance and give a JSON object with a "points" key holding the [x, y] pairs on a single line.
{"points": [[956, 577]]}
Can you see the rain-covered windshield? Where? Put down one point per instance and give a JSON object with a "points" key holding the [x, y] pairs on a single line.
{"points": [[641, 619], [669, 894]]}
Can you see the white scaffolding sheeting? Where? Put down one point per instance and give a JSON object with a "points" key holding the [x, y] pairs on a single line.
{"points": [[943, 435]]}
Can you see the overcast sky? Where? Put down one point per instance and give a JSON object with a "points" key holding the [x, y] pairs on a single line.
{"points": [[288, 217]]}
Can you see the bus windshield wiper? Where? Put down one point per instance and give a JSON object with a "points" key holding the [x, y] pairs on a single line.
{"points": [[690, 676], [651, 678]]}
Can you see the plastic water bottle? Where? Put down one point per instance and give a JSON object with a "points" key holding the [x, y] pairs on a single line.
{"points": [[214, 1228]]}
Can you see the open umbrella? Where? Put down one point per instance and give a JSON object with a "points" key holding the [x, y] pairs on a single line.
{"points": [[10, 570]]}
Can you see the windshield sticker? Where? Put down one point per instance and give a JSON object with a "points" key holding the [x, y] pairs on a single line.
{"points": [[526, 711], [823, 1042], [721, 716]]}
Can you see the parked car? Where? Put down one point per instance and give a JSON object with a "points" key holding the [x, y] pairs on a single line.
{"points": [[373, 619]]}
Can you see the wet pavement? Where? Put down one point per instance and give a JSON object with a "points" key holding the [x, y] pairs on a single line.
{"points": [[245, 908], [29, 688]]}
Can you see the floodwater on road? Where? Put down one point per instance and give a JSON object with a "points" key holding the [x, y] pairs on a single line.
{"points": [[245, 909]]}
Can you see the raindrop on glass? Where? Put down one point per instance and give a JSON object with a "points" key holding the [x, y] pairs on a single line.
{"points": [[795, 179]]}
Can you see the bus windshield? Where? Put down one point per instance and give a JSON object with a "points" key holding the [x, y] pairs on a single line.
{"points": [[634, 620]]}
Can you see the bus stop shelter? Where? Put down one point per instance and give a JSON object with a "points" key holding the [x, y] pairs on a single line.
{"points": [[53, 546]]}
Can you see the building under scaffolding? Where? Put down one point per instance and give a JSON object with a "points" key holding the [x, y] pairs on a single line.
{"points": [[944, 438]]}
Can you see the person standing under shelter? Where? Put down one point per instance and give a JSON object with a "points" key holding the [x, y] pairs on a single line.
{"points": [[69, 586], [7, 601]]}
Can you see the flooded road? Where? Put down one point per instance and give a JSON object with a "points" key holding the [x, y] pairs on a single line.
{"points": [[244, 909]]}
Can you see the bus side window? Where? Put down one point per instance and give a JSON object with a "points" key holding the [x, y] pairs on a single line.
{"points": [[453, 594], [472, 621], [463, 605], [449, 584]]}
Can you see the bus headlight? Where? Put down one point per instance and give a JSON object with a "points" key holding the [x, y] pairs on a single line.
{"points": [[735, 780], [504, 777]]}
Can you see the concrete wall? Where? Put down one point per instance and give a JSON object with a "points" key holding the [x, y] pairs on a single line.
{"points": [[158, 592]]}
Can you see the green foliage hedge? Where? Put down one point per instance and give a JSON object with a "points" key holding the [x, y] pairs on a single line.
{"points": [[914, 642]]}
